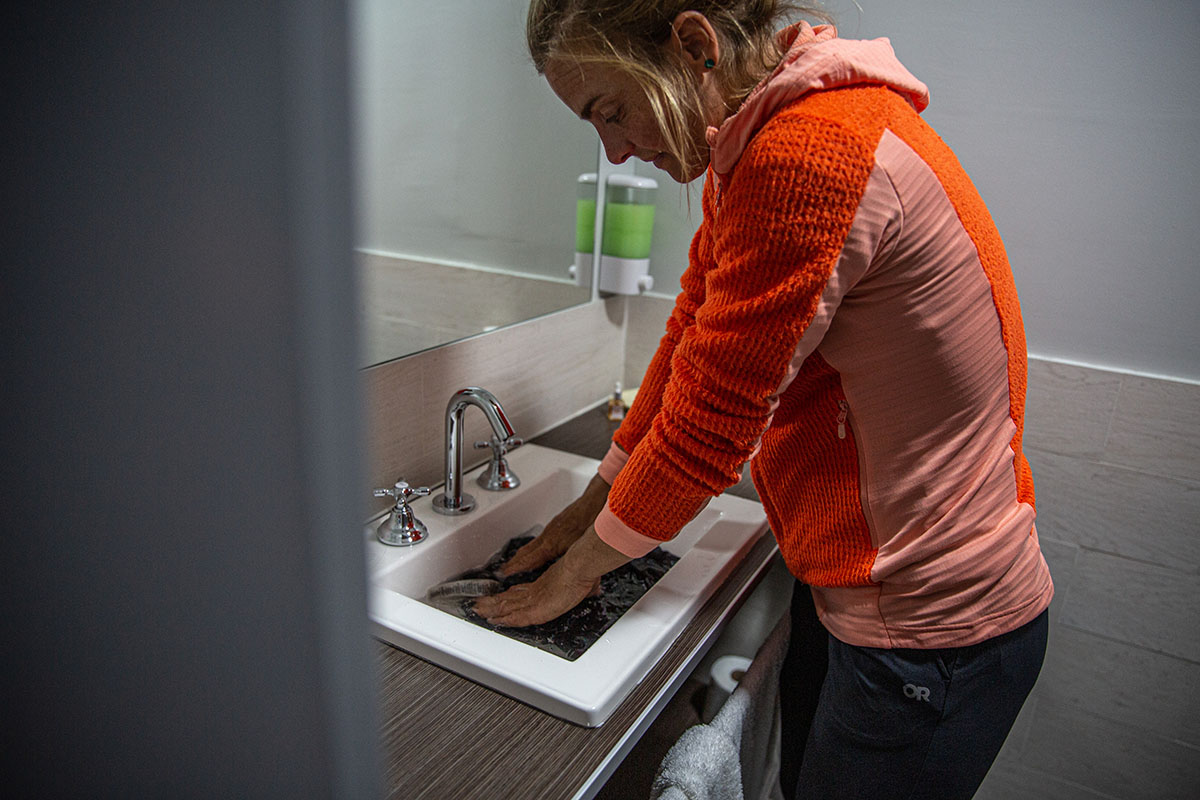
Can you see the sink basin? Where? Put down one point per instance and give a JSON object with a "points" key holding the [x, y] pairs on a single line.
{"points": [[584, 691]]}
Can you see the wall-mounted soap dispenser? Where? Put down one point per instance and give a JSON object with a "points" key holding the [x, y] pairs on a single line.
{"points": [[628, 230], [585, 228]]}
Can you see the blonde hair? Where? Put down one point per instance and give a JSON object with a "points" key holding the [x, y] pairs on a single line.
{"points": [[628, 36]]}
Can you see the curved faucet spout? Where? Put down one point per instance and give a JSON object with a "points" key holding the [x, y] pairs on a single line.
{"points": [[453, 501]]}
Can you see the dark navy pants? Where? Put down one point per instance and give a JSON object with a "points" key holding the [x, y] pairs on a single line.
{"points": [[903, 723]]}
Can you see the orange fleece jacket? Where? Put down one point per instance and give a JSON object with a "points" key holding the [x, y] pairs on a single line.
{"points": [[849, 318]]}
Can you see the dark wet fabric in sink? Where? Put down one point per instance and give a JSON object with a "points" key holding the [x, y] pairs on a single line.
{"points": [[573, 633]]}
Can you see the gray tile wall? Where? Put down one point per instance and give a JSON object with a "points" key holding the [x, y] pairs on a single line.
{"points": [[1116, 712]]}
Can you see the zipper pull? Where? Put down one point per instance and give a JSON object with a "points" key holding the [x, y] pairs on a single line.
{"points": [[843, 412]]}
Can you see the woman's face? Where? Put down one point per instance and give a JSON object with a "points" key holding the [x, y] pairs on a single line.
{"points": [[620, 112]]}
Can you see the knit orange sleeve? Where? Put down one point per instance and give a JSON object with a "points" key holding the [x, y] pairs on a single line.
{"points": [[776, 233]]}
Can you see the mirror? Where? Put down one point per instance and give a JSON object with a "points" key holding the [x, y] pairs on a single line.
{"points": [[466, 169]]}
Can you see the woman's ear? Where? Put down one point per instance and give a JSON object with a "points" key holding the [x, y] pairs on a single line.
{"points": [[695, 41]]}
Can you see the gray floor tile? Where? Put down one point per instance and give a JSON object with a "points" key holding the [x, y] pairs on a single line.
{"points": [[1118, 510], [1137, 603], [1068, 408], [1116, 760], [1060, 557], [1123, 684], [1156, 428], [1014, 782]]}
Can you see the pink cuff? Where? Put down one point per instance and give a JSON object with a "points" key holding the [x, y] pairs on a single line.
{"points": [[621, 537], [613, 461]]}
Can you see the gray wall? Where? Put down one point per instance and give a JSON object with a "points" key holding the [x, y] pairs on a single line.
{"points": [[183, 601], [1077, 121]]}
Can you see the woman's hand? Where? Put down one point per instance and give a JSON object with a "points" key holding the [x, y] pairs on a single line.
{"points": [[561, 532], [553, 594], [559, 589]]}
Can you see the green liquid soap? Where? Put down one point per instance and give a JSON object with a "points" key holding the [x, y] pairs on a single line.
{"points": [[585, 225], [628, 230]]}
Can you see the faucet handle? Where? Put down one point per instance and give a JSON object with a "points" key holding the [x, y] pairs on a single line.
{"points": [[402, 528], [402, 492], [498, 475], [500, 446]]}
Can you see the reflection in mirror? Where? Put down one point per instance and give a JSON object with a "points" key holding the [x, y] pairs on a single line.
{"points": [[466, 171]]}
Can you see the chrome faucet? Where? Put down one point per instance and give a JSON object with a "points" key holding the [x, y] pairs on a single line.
{"points": [[453, 500]]}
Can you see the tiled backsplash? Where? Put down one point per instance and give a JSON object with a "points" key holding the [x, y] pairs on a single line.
{"points": [[1116, 459], [543, 371]]}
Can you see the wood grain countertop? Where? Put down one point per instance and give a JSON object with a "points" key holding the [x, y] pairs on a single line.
{"points": [[447, 738]]}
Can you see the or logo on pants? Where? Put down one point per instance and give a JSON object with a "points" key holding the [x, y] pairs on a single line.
{"points": [[913, 692]]}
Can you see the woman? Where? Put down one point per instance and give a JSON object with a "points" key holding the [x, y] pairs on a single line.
{"points": [[848, 323]]}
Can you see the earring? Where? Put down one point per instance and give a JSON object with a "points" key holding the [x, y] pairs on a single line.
{"points": [[709, 63]]}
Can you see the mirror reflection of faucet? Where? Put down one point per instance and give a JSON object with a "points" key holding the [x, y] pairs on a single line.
{"points": [[454, 500]]}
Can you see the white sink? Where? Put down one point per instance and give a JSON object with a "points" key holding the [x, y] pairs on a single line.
{"points": [[584, 691]]}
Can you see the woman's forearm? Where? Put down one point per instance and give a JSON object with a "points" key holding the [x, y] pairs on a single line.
{"points": [[590, 557]]}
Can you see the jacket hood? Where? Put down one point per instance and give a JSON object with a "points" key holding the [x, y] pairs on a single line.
{"points": [[816, 59]]}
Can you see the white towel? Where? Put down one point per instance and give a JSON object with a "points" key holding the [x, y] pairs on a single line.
{"points": [[703, 765], [736, 756]]}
